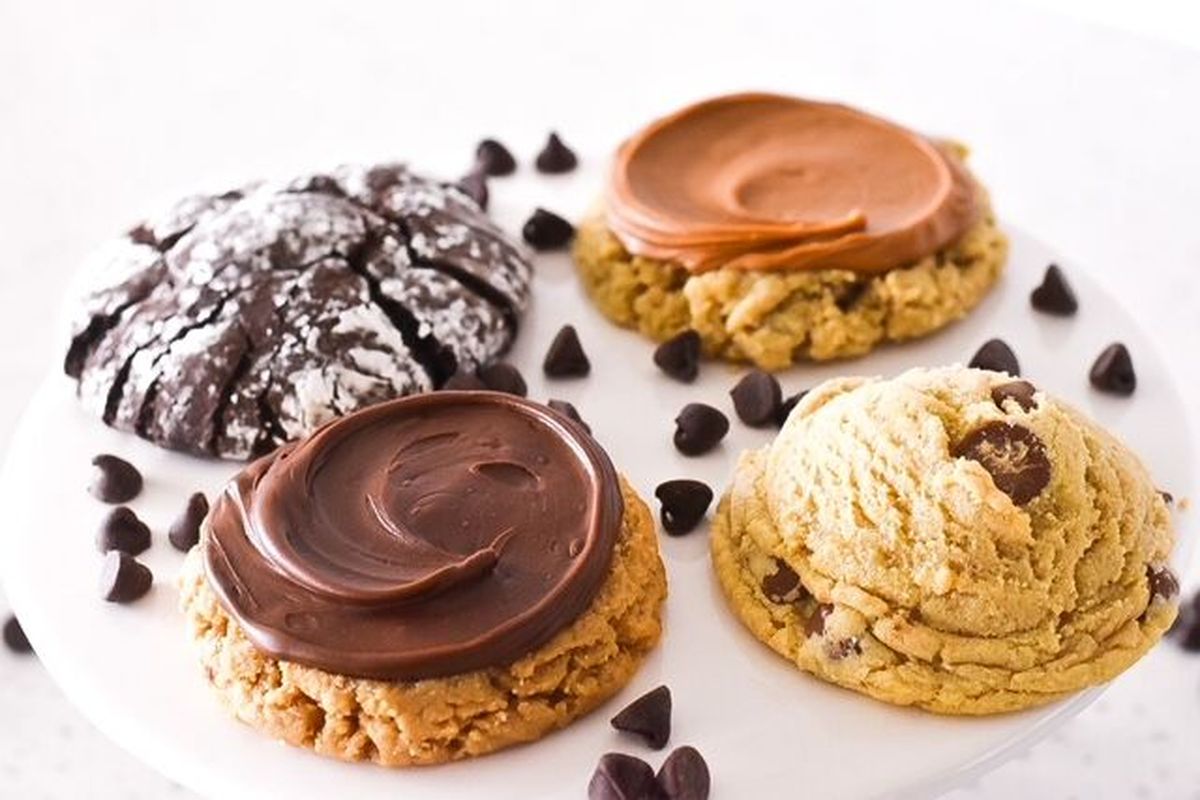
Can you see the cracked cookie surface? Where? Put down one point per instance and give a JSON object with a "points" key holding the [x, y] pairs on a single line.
{"points": [[399, 723], [235, 322], [862, 548]]}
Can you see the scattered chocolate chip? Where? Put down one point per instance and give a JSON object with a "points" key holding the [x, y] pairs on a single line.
{"points": [[1163, 582], [565, 358], [115, 480], [787, 406], [1113, 371], [996, 356], [1055, 295], [555, 157], [493, 158], [569, 411], [474, 186], [649, 717], [1020, 392], [184, 532], [463, 381], [1013, 455], [844, 648], [814, 625], [14, 637], [622, 777], [502, 377], [684, 775], [679, 356], [783, 585], [123, 579], [684, 503], [757, 398], [122, 530], [545, 230], [699, 428]]}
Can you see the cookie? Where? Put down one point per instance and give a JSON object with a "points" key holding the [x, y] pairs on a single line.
{"points": [[238, 321], [937, 541]]}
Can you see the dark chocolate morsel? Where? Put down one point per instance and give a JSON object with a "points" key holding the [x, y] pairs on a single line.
{"points": [[565, 358], [184, 532], [679, 356], [997, 356], [787, 406], [545, 230], [1113, 371], [122, 530], [1054, 295], [14, 637], [474, 186], [1167, 497], [1020, 392], [493, 158], [699, 428], [555, 157], [684, 775], [123, 579], [814, 625], [1013, 455], [463, 381], [569, 411], [1162, 582], [115, 480], [684, 504], [844, 648], [757, 398], [623, 777], [783, 585], [503, 377], [648, 717]]}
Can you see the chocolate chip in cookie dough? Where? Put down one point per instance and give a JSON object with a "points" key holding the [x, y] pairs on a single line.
{"points": [[684, 504], [997, 356], [122, 530], [783, 585], [623, 777], [699, 428], [1013, 455], [684, 775], [570, 412], [565, 358], [464, 381], [555, 158], [545, 230], [679, 356], [14, 637], [502, 377], [814, 624], [115, 480], [123, 579], [1020, 392], [757, 398], [1163, 582], [474, 186], [787, 406], [493, 158], [1054, 295], [184, 532], [648, 717], [1113, 371]]}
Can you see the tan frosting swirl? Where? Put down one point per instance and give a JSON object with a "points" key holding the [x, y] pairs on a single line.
{"points": [[762, 181]]}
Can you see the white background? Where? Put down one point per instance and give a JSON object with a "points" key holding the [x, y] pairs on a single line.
{"points": [[1087, 137]]}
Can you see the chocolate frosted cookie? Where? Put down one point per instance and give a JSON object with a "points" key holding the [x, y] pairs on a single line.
{"points": [[236, 322]]}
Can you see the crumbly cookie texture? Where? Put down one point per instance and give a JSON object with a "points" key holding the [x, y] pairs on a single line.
{"points": [[400, 723], [774, 318], [857, 546]]}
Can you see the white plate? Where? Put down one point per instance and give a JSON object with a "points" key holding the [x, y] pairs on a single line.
{"points": [[767, 730]]}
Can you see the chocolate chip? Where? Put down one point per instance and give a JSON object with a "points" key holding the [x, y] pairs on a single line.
{"points": [[844, 648], [555, 157], [570, 412], [679, 356], [122, 530], [142, 234], [814, 625], [757, 398], [14, 637], [565, 358], [996, 356], [1013, 455], [1162, 582], [699, 428], [1113, 371], [684, 503], [463, 381], [502, 377], [184, 532], [1020, 392], [623, 777], [1167, 497], [1189, 633], [115, 480], [1055, 295], [783, 585], [123, 579], [493, 158], [474, 186], [787, 406], [684, 775], [649, 717], [545, 230]]}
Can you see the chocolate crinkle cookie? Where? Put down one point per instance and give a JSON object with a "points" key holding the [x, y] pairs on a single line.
{"points": [[238, 321]]}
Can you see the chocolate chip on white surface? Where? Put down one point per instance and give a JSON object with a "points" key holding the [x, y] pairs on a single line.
{"points": [[1113, 371], [493, 158], [685, 775], [757, 398], [679, 356], [123, 579], [566, 358], [555, 157], [14, 637], [122, 530], [997, 356], [684, 504], [184, 533], [648, 717], [545, 230], [623, 777], [114, 480], [1054, 295], [503, 377], [699, 428]]}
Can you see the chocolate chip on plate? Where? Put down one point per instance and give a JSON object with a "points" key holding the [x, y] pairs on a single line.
{"points": [[123, 579], [1013, 455], [555, 157], [997, 356], [648, 717], [684, 503], [622, 777], [474, 186], [545, 230], [1162, 582], [493, 158], [115, 480], [565, 358], [787, 406], [570, 412], [1054, 295], [1113, 371], [14, 637], [122, 530], [503, 377], [679, 356], [699, 428], [783, 585], [184, 532], [684, 775], [464, 381], [1020, 392], [757, 398]]}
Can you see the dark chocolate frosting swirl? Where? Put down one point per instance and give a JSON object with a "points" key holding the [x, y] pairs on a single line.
{"points": [[423, 537]]}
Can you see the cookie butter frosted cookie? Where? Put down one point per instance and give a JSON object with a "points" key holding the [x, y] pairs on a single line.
{"points": [[429, 579], [783, 229], [950, 539]]}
